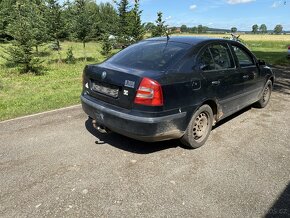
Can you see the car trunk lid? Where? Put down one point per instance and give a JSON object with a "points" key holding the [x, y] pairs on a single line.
{"points": [[115, 84]]}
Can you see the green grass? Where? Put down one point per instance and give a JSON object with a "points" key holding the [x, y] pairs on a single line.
{"points": [[60, 84], [273, 52]]}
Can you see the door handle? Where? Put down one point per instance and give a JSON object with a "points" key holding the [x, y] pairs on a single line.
{"points": [[246, 77], [216, 83]]}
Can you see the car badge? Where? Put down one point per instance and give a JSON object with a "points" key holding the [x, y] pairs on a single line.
{"points": [[129, 84], [104, 74], [126, 92]]}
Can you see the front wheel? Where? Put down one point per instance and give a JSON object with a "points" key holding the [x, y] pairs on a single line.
{"points": [[199, 127], [264, 100]]}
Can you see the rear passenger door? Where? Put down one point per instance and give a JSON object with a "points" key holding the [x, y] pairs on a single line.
{"points": [[224, 81], [250, 73]]}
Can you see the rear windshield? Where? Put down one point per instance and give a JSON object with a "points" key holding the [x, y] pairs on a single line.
{"points": [[150, 55]]}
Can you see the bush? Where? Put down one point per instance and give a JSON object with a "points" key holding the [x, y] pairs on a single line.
{"points": [[70, 59], [23, 56], [107, 46]]}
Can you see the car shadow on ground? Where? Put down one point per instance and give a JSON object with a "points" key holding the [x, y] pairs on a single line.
{"points": [[281, 208], [233, 116], [282, 82], [130, 145], [139, 147]]}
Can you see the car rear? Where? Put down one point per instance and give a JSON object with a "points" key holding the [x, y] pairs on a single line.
{"points": [[288, 54], [126, 93]]}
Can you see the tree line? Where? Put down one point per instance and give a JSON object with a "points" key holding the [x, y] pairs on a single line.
{"points": [[28, 24], [256, 29], [262, 29]]}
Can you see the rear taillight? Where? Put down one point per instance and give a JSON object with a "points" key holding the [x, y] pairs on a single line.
{"points": [[288, 47], [149, 93]]}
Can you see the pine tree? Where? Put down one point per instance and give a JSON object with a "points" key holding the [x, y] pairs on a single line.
{"points": [[106, 46], [6, 6], [108, 19], [70, 59], [83, 23], [39, 24], [137, 28], [124, 20], [22, 28], [161, 28], [55, 23]]}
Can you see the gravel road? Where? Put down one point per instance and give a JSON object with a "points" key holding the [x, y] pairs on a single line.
{"points": [[56, 164]]}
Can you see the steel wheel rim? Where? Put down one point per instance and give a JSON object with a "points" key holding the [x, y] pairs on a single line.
{"points": [[200, 126], [266, 94]]}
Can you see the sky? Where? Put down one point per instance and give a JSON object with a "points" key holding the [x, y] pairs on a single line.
{"points": [[242, 14]]}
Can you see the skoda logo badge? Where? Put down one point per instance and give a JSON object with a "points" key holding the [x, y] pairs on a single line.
{"points": [[104, 74]]}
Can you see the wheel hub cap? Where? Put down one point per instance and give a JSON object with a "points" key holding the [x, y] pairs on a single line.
{"points": [[200, 126], [266, 94]]}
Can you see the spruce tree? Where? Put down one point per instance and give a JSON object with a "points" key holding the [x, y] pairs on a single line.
{"points": [[83, 23], [39, 24], [6, 6], [22, 28], [55, 23], [161, 28], [108, 19], [137, 28], [124, 20]]}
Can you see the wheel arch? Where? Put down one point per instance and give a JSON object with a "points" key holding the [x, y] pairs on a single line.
{"points": [[216, 109]]}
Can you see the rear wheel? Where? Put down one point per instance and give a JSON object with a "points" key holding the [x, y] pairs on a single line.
{"points": [[199, 127], [265, 95]]}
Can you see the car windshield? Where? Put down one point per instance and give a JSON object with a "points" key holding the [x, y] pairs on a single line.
{"points": [[150, 55]]}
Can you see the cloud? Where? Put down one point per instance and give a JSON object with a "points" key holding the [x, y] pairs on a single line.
{"points": [[276, 4], [234, 2], [168, 18], [192, 7]]}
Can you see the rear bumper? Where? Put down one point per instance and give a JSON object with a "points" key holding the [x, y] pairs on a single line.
{"points": [[138, 127]]}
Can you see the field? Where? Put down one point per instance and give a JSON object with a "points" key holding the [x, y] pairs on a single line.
{"points": [[271, 48], [60, 83]]}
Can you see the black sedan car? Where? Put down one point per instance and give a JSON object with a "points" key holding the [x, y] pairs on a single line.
{"points": [[174, 88]]}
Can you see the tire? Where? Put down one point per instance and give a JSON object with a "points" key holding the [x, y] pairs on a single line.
{"points": [[266, 94], [197, 133]]}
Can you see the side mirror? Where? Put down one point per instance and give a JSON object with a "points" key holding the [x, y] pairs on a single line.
{"points": [[261, 62]]}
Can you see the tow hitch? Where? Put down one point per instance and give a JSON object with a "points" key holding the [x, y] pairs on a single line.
{"points": [[100, 128]]}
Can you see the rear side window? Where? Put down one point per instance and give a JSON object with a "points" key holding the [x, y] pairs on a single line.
{"points": [[206, 61], [150, 55], [216, 57], [243, 57], [221, 57]]}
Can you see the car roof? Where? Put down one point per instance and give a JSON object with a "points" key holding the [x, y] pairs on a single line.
{"points": [[192, 40]]}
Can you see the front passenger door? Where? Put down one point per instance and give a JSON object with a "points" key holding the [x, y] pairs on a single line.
{"points": [[250, 73]]}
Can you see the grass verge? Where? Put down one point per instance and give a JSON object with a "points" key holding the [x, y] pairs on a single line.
{"points": [[60, 84]]}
